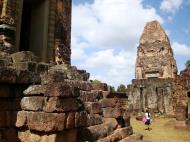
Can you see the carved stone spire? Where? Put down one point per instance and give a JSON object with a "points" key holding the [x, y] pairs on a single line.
{"points": [[154, 54]]}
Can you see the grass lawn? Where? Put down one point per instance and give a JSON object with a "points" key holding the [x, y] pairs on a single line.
{"points": [[162, 131]]}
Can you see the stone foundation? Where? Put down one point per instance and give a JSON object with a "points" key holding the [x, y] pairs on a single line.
{"points": [[153, 94], [65, 106]]}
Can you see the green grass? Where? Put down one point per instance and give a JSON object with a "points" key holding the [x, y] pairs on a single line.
{"points": [[162, 131]]}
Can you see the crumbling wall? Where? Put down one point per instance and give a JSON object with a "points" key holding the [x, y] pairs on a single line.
{"points": [[180, 97], [59, 104], [67, 107], [155, 94], [17, 72]]}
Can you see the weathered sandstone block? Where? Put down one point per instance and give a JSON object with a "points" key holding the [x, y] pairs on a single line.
{"points": [[117, 135], [62, 89], [93, 107], [8, 75], [81, 119], [30, 66], [155, 55], [100, 131], [35, 90], [91, 96], [33, 103], [94, 119], [28, 77], [24, 56], [113, 112], [70, 120], [111, 102], [55, 104], [41, 121], [101, 86], [65, 136], [42, 68]]}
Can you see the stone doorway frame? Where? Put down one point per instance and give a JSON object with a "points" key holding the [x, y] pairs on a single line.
{"points": [[59, 19]]}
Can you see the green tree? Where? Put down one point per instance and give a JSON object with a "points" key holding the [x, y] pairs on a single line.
{"points": [[112, 88], [122, 88], [187, 63], [97, 82]]}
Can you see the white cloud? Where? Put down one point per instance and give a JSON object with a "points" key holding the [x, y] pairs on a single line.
{"points": [[114, 68], [112, 23], [105, 34], [171, 5], [181, 49]]}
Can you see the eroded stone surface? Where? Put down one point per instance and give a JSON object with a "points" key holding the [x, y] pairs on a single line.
{"points": [[155, 55]]}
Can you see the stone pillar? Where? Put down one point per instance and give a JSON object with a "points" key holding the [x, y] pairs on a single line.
{"points": [[8, 16], [63, 31]]}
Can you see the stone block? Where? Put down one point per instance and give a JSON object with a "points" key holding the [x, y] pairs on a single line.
{"points": [[4, 62], [56, 104], [102, 130], [82, 85], [52, 78], [35, 90], [91, 96], [33, 103], [28, 77], [41, 121], [113, 112], [65, 136], [70, 120], [105, 94], [61, 89], [30, 66], [93, 107], [94, 119], [24, 56], [8, 75], [81, 119], [21, 119], [108, 102], [118, 135], [42, 67], [117, 95], [101, 86]]}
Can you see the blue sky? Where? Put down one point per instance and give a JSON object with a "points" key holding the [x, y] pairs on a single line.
{"points": [[105, 34]]}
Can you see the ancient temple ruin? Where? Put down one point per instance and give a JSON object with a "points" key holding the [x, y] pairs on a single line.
{"points": [[155, 70], [154, 56], [42, 97], [40, 26]]}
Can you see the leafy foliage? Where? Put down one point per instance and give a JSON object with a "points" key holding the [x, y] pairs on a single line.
{"points": [[122, 88], [113, 89], [97, 82]]}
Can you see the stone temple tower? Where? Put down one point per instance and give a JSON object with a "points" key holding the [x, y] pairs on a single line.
{"points": [[155, 56], [154, 73]]}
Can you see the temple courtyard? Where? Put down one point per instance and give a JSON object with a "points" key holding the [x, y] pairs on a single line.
{"points": [[162, 130]]}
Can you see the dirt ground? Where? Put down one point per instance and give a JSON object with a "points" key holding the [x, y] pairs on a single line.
{"points": [[162, 130]]}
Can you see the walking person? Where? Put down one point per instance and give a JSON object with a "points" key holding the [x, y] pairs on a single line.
{"points": [[147, 117]]}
